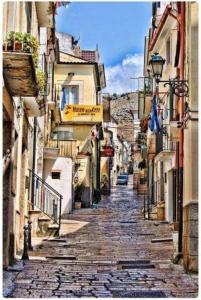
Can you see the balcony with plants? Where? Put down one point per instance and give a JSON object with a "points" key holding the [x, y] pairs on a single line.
{"points": [[21, 71]]}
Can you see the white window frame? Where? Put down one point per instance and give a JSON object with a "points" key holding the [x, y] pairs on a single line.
{"points": [[78, 83], [70, 87]]}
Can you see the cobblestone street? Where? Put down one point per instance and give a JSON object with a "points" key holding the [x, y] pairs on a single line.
{"points": [[110, 255]]}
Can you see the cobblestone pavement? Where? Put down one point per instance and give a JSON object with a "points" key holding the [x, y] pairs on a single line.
{"points": [[111, 255]]}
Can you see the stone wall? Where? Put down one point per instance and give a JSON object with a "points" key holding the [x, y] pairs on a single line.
{"points": [[124, 110], [190, 237]]}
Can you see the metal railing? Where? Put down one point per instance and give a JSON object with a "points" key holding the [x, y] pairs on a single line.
{"points": [[164, 143], [46, 198], [65, 147]]}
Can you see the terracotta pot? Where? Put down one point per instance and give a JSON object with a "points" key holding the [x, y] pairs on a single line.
{"points": [[18, 46]]}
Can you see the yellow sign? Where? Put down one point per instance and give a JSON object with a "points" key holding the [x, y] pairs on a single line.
{"points": [[83, 113]]}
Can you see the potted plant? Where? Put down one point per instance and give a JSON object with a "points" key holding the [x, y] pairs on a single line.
{"points": [[41, 80], [27, 42], [18, 41], [34, 46], [9, 42], [79, 189]]}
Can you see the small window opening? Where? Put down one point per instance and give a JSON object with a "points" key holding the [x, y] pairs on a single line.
{"points": [[56, 175]]}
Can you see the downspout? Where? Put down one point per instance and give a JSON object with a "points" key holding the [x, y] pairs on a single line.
{"points": [[33, 162], [181, 131]]}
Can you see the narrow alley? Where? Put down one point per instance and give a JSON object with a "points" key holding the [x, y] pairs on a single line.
{"points": [[108, 252]]}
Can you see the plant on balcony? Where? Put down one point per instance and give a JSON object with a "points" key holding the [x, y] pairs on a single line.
{"points": [[41, 79], [34, 46], [18, 41], [30, 44], [9, 41], [27, 42]]}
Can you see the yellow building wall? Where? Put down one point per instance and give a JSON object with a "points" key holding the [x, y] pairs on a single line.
{"points": [[83, 76]]}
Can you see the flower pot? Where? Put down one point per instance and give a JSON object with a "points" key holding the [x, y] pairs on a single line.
{"points": [[18, 46], [26, 48], [9, 46], [78, 205]]}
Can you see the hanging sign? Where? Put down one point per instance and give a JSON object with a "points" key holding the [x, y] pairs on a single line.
{"points": [[83, 113], [108, 151]]}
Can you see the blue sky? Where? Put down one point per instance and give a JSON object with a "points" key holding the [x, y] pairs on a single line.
{"points": [[118, 28]]}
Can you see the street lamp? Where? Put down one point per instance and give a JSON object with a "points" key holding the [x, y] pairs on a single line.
{"points": [[179, 87], [157, 63]]}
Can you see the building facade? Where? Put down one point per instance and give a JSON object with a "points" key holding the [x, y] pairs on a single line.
{"points": [[26, 25], [74, 125], [172, 196]]}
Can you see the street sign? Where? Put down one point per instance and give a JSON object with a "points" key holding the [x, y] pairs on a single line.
{"points": [[108, 151]]}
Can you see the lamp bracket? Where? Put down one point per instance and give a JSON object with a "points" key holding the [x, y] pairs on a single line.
{"points": [[179, 87]]}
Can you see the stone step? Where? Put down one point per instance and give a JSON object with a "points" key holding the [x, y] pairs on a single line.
{"points": [[134, 261], [161, 240], [137, 266], [54, 257]]}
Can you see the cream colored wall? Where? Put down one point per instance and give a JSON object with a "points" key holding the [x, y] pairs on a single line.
{"points": [[169, 71], [83, 74], [191, 160], [15, 19]]}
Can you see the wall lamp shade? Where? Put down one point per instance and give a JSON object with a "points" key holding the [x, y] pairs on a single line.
{"points": [[157, 63]]}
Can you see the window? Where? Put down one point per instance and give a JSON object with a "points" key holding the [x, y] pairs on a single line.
{"points": [[56, 174], [168, 51], [69, 95]]}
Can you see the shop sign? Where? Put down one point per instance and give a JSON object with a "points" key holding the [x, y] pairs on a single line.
{"points": [[107, 152], [83, 113]]}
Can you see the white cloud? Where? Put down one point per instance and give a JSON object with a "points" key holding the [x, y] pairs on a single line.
{"points": [[118, 76]]}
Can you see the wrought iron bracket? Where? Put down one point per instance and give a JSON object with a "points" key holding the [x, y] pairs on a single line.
{"points": [[179, 87]]}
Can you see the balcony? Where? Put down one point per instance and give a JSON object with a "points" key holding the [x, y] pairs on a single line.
{"points": [[37, 107], [165, 147], [45, 13], [60, 143], [55, 148], [19, 74]]}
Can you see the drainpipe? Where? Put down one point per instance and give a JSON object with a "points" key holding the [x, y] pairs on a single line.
{"points": [[181, 131], [33, 162]]}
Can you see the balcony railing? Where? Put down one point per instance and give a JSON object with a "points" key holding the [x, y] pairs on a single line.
{"points": [[65, 148], [164, 144]]}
